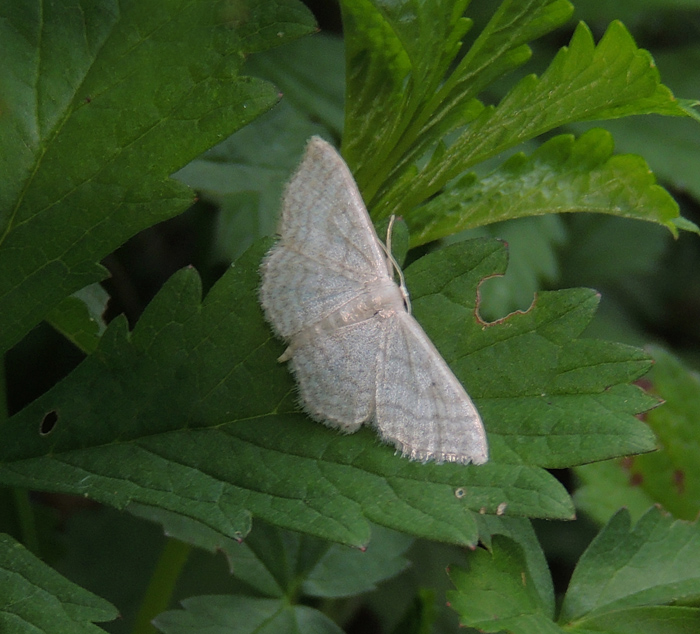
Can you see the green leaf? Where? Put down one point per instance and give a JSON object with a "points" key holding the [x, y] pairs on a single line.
{"points": [[686, 225], [670, 145], [528, 375], [605, 487], [245, 175], [662, 619], [500, 48], [192, 413], [419, 618], [79, 317], [669, 477], [210, 415], [656, 562], [521, 531], [280, 563], [34, 598], [243, 615], [534, 246], [309, 72], [398, 55], [629, 580], [407, 137], [584, 81], [100, 105], [393, 53], [562, 175], [497, 593]]}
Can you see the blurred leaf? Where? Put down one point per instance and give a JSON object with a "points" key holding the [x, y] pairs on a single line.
{"points": [[396, 599], [310, 74], [344, 571], [631, 11], [679, 65], [669, 477], [243, 615], [36, 599], [79, 317], [112, 554], [284, 565], [562, 175], [627, 262], [665, 619], [183, 528], [245, 174], [532, 262], [278, 562], [610, 253], [100, 104], [645, 278], [605, 487], [420, 617]]}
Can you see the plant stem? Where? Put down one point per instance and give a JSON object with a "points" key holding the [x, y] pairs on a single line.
{"points": [[25, 515], [160, 589], [26, 519], [3, 392]]}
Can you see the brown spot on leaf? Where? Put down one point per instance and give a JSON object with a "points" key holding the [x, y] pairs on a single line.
{"points": [[679, 481], [627, 462]]}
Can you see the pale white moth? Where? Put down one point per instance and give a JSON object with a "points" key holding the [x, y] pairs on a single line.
{"points": [[357, 353]]}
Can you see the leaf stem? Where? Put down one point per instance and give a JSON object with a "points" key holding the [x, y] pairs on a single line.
{"points": [[25, 514], [160, 589], [3, 392], [26, 519]]}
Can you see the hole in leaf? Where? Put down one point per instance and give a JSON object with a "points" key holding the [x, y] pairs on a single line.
{"points": [[48, 423]]}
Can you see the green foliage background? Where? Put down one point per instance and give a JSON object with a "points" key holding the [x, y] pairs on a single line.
{"points": [[473, 123]]}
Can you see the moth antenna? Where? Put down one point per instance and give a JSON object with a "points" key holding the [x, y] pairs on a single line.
{"points": [[394, 263]]}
